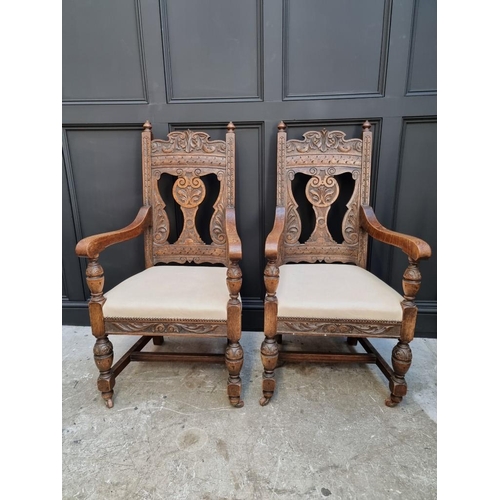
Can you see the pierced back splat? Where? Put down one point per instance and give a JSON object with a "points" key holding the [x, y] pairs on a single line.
{"points": [[188, 156], [323, 155]]}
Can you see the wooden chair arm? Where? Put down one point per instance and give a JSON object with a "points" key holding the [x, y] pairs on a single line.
{"points": [[92, 246], [415, 248], [234, 252], [274, 239]]}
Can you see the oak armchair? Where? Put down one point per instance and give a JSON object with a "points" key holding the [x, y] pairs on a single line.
{"points": [[333, 294], [173, 300]]}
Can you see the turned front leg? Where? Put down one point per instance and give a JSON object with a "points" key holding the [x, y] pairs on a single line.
{"points": [[103, 357], [269, 351], [401, 362], [401, 354], [234, 352], [103, 348]]}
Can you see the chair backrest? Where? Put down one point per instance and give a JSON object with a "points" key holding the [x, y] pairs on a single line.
{"points": [[322, 156], [187, 156]]}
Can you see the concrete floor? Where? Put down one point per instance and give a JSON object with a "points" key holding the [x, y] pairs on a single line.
{"points": [[173, 435]]}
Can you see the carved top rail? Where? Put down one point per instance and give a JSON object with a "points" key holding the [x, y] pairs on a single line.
{"points": [[322, 155], [187, 155]]}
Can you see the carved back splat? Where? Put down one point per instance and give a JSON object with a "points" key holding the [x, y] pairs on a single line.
{"points": [[322, 155], [188, 156]]}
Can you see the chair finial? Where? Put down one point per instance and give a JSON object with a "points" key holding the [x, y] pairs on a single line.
{"points": [[281, 126], [147, 125], [367, 125], [230, 127]]}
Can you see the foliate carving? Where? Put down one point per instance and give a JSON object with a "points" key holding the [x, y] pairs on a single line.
{"points": [[332, 252], [217, 232], [187, 141], [324, 141], [401, 361], [350, 224], [269, 348], [322, 190], [412, 273], [234, 272], [402, 352], [197, 253], [103, 347], [94, 269], [95, 280], [189, 192], [234, 352], [362, 248], [272, 270], [173, 326], [411, 281], [271, 279], [293, 224], [342, 327], [161, 226], [234, 281]]}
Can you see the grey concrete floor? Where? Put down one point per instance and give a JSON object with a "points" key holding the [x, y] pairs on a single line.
{"points": [[173, 435]]}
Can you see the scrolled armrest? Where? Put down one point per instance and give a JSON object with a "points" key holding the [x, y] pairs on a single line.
{"points": [[415, 248], [92, 246], [274, 239], [234, 252]]}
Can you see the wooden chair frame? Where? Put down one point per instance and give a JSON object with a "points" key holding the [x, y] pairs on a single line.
{"points": [[188, 156], [322, 155]]}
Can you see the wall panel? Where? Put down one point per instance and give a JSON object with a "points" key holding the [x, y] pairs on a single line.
{"points": [[335, 49], [102, 56], [224, 37]]}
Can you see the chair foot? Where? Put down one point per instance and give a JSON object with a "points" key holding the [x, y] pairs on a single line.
{"points": [[158, 340], [237, 402], [108, 399], [352, 341], [264, 401], [393, 401]]}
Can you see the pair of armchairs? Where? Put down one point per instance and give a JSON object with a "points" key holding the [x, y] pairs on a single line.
{"points": [[331, 295]]}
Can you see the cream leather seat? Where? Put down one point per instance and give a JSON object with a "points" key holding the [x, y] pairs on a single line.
{"points": [[170, 292], [335, 291]]}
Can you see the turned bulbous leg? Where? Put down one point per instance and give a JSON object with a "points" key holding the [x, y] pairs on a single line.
{"points": [[234, 363], [269, 353], [401, 362], [103, 357]]}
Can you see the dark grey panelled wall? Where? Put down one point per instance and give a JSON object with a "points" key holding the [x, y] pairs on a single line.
{"points": [[199, 64]]}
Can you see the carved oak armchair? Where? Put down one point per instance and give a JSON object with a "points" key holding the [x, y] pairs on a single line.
{"points": [[333, 294], [173, 300]]}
